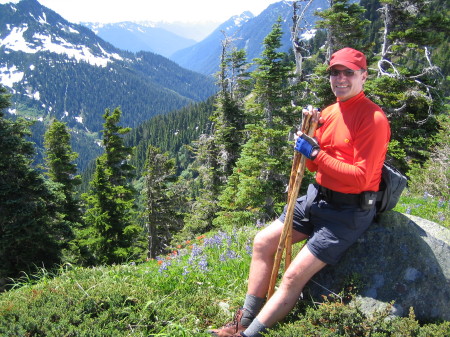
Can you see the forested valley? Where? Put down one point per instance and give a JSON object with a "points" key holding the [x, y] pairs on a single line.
{"points": [[225, 161]]}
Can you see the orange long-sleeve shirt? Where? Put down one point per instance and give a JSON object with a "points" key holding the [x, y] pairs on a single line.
{"points": [[353, 139]]}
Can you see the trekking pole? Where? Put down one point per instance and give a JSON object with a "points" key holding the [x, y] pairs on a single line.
{"points": [[295, 164], [286, 235]]}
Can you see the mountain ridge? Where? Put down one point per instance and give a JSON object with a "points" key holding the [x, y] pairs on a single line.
{"points": [[136, 37], [247, 31], [57, 69], [247, 34]]}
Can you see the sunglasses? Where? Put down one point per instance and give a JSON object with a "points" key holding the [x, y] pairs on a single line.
{"points": [[346, 72]]}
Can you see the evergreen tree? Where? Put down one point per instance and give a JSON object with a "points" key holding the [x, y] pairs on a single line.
{"points": [[228, 116], [409, 86], [216, 154], [30, 227], [110, 217], [255, 189], [345, 25], [62, 170], [160, 215], [205, 185]]}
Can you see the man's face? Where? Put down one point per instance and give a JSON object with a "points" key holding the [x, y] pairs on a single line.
{"points": [[344, 86]]}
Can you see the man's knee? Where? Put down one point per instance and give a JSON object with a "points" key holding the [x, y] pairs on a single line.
{"points": [[261, 242], [267, 239], [291, 276]]}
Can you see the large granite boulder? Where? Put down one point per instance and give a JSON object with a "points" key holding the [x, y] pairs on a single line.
{"points": [[402, 258]]}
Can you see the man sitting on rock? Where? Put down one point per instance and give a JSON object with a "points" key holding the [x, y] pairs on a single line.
{"points": [[347, 155]]}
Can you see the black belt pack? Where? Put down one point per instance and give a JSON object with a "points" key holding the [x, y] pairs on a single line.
{"points": [[366, 200]]}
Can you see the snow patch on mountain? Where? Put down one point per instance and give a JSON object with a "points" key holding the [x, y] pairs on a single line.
{"points": [[11, 75], [16, 41]]}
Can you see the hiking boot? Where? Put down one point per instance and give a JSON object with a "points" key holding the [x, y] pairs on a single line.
{"points": [[241, 321]]}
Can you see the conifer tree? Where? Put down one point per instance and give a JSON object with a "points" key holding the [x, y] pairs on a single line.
{"points": [[160, 214], [30, 227], [228, 116], [216, 153], [345, 25], [62, 170], [409, 86], [110, 217], [255, 189], [205, 185]]}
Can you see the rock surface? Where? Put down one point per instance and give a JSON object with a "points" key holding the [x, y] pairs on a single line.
{"points": [[402, 258]]}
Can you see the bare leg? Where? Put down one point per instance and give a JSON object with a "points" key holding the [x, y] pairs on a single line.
{"points": [[264, 248], [302, 268]]}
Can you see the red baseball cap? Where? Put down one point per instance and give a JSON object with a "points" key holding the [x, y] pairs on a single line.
{"points": [[350, 58]]}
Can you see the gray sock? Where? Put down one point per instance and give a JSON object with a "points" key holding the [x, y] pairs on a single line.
{"points": [[252, 305], [255, 329]]}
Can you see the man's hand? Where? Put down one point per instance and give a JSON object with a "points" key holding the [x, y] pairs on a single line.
{"points": [[314, 113], [307, 146]]}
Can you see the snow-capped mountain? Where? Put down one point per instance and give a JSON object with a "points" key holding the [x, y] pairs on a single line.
{"points": [[135, 37], [204, 57], [31, 28], [57, 69], [247, 32]]}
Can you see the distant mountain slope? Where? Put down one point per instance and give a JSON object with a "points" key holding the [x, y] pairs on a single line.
{"points": [[248, 32], [136, 37], [56, 69]]}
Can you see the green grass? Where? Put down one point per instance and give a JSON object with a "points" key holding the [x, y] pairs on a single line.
{"points": [[197, 286], [426, 207], [180, 294]]}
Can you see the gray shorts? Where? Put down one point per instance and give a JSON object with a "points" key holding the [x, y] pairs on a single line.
{"points": [[331, 229]]}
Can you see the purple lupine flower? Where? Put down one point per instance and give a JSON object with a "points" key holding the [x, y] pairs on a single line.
{"points": [[196, 250], [214, 241], [203, 263], [231, 254], [248, 249], [163, 266]]}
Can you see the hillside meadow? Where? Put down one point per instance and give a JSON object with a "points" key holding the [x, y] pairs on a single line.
{"points": [[198, 285]]}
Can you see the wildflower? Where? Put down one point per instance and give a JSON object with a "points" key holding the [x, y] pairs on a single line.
{"points": [[203, 264], [231, 254], [185, 270], [163, 266], [214, 241], [196, 251], [248, 249], [218, 240], [408, 210]]}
